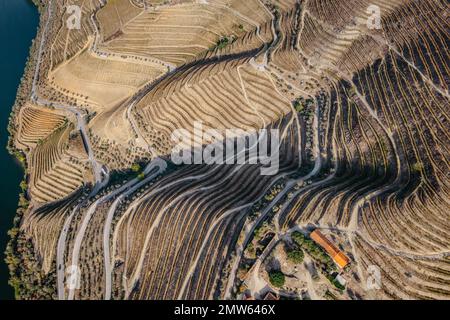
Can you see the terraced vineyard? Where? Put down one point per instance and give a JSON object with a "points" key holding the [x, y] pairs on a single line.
{"points": [[362, 115], [179, 33], [36, 125], [55, 173]]}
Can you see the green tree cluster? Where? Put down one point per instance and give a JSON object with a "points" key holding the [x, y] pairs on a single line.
{"points": [[295, 255], [277, 278]]}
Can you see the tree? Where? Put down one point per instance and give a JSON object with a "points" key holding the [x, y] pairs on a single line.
{"points": [[298, 238], [298, 106], [418, 167], [23, 185], [295, 255], [222, 42], [136, 167], [277, 278]]}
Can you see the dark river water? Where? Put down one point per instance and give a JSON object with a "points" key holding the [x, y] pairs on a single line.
{"points": [[18, 25]]}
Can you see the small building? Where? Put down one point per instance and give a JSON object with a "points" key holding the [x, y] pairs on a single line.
{"points": [[271, 296], [341, 280], [337, 255]]}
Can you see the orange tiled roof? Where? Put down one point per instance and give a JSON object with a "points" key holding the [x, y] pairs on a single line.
{"points": [[338, 256]]}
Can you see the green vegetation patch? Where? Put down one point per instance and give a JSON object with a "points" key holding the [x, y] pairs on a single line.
{"points": [[315, 251], [277, 278], [136, 167], [336, 283], [222, 43], [295, 255], [304, 107], [328, 268]]}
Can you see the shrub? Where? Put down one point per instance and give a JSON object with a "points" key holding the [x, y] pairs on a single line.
{"points": [[250, 251]]}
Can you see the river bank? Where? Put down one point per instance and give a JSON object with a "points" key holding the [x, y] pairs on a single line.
{"points": [[19, 21]]}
